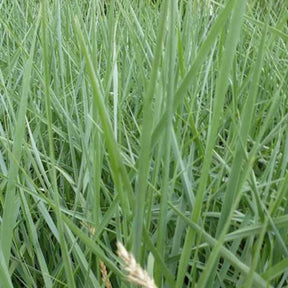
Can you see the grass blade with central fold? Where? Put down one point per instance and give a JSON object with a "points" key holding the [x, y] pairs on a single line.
{"points": [[165, 193], [11, 205], [54, 189], [118, 170], [238, 10], [146, 137], [191, 75]]}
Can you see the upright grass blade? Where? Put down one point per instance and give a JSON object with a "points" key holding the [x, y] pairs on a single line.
{"points": [[238, 10], [60, 224], [171, 55], [5, 280], [77, 200], [200, 58], [33, 235], [62, 87], [146, 137], [118, 170], [150, 245], [82, 260], [92, 246], [11, 205], [224, 252], [233, 187], [210, 265]]}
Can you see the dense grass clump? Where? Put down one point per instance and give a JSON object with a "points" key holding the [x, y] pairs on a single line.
{"points": [[161, 125]]}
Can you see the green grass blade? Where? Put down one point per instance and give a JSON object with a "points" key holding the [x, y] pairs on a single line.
{"points": [[11, 205], [34, 237], [165, 193], [66, 259], [200, 58], [117, 168], [221, 87], [146, 137], [233, 185], [224, 252], [5, 280]]}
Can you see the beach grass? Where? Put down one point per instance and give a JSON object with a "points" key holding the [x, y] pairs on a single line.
{"points": [[158, 127]]}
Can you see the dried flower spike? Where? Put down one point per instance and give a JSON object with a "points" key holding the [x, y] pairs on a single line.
{"points": [[136, 274], [104, 274]]}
